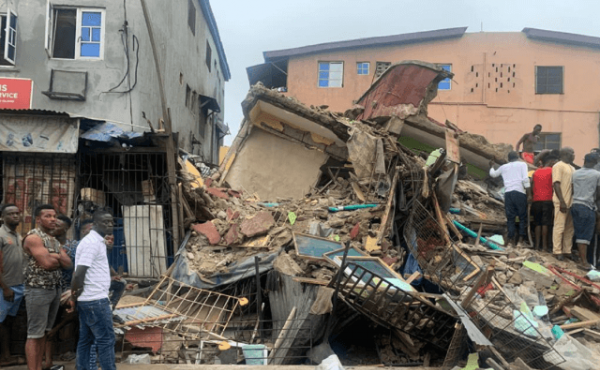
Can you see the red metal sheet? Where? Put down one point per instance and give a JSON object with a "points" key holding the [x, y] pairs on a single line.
{"points": [[149, 337], [403, 84]]}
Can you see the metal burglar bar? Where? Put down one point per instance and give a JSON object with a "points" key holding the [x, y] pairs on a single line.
{"points": [[30, 180], [134, 186], [390, 306], [496, 316], [204, 348]]}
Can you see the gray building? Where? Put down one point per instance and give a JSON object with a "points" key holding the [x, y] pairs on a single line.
{"points": [[93, 59], [82, 106]]}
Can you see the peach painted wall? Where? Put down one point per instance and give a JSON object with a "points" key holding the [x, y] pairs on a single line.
{"points": [[482, 99]]}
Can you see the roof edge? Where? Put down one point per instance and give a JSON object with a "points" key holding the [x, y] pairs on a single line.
{"points": [[562, 37], [214, 31], [405, 38]]}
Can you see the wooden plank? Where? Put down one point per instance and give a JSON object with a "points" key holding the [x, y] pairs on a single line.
{"points": [[592, 334], [144, 232], [581, 324], [388, 209], [584, 314], [359, 193], [441, 221], [483, 279], [415, 275], [453, 227]]}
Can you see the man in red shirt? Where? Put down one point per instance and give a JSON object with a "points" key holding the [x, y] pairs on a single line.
{"points": [[542, 208]]}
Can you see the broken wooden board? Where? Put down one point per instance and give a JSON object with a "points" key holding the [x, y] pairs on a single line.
{"points": [[371, 244], [584, 314], [262, 242], [592, 334]]}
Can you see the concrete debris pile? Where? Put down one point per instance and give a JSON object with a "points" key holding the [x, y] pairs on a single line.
{"points": [[331, 233]]}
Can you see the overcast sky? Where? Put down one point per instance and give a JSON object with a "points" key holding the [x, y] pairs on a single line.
{"points": [[249, 27]]}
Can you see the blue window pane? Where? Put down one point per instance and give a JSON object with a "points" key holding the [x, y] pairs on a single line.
{"points": [[323, 83], [85, 34], [444, 84], [11, 52], [91, 19], [323, 75], [90, 50], [323, 66], [95, 34], [447, 67], [13, 21]]}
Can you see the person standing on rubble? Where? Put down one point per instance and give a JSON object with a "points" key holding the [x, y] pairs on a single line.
{"points": [[11, 278], [542, 208], [516, 195], [586, 187], [529, 140], [89, 288], [562, 182], [45, 259]]}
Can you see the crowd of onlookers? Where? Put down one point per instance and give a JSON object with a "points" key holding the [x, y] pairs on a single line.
{"points": [[58, 277], [561, 200]]}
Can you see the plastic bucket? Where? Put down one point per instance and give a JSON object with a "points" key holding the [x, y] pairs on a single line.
{"points": [[255, 354]]}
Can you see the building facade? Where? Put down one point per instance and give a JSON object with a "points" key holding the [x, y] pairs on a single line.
{"points": [[84, 116], [93, 59], [504, 83]]}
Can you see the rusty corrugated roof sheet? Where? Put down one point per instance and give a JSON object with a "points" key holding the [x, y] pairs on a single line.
{"points": [[405, 38]]}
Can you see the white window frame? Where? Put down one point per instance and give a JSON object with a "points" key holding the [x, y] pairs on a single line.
{"points": [[10, 34], [319, 71], [368, 68], [49, 44]]}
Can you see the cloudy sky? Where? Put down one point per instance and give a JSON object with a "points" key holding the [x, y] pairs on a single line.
{"points": [[249, 27]]}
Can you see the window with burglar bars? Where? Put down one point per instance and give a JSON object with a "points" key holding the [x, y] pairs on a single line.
{"points": [[135, 187], [30, 180], [548, 80]]}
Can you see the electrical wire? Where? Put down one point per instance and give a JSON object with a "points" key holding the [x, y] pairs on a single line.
{"points": [[136, 48]]}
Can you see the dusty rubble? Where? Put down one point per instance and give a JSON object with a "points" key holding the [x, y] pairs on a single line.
{"points": [[420, 241]]}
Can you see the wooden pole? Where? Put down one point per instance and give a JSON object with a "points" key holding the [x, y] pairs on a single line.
{"points": [[282, 334], [169, 145]]}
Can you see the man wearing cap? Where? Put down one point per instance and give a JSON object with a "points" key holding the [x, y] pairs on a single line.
{"points": [[586, 187], [516, 184]]}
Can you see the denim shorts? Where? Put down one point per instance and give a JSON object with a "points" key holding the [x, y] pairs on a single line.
{"points": [[42, 308], [11, 308], [584, 222]]}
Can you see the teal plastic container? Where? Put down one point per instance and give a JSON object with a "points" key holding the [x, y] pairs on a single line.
{"points": [[255, 354]]}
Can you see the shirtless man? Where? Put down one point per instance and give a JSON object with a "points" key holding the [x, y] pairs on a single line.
{"points": [[528, 141]]}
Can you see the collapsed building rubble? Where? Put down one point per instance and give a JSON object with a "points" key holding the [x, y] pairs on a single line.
{"points": [[318, 222]]}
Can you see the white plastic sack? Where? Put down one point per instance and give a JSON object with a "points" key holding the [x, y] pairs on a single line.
{"points": [[330, 363], [594, 275], [577, 356], [138, 359]]}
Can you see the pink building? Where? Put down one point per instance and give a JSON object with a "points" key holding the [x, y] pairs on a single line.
{"points": [[504, 83]]}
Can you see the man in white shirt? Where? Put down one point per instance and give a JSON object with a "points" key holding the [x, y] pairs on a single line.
{"points": [[516, 195], [89, 287]]}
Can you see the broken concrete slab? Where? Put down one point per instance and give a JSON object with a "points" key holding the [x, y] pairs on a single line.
{"points": [[217, 193], [233, 235], [209, 230], [257, 225]]}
